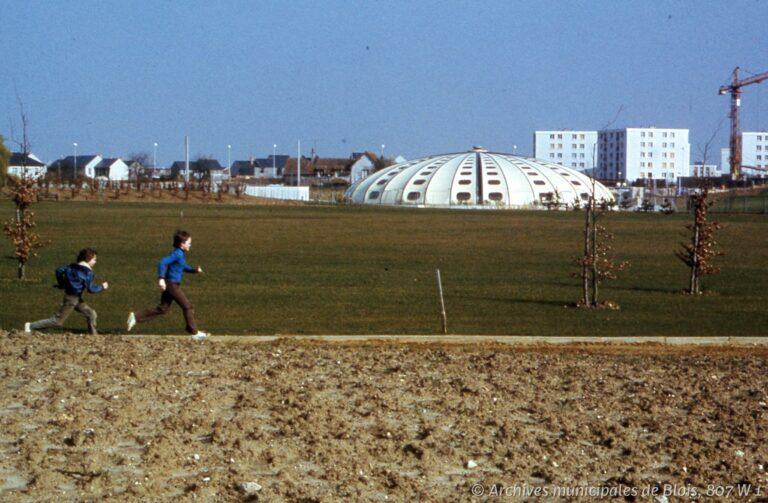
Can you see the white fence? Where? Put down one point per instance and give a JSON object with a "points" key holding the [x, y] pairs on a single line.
{"points": [[279, 192]]}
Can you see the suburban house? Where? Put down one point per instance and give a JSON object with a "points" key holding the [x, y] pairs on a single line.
{"points": [[364, 164], [26, 166], [201, 169], [112, 169], [71, 167], [269, 167], [331, 170]]}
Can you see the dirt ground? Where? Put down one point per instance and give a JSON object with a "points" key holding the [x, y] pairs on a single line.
{"points": [[94, 417]]}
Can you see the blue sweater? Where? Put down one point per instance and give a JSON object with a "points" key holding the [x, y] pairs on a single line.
{"points": [[172, 267], [80, 279]]}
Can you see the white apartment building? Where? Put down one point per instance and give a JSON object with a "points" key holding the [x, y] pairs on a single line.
{"points": [[630, 154], [699, 170], [572, 149], [754, 153]]}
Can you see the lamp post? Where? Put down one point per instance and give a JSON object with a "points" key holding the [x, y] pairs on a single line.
{"points": [[382, 150], [274, 163], [514, 149], [229, 156], [74, 173], [154, 156]]}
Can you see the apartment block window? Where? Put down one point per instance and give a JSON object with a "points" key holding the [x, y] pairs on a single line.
{"points": [[664, 175], [672, 134], [560, 145], [664, 155], [671, 155], [642, 134], [650, 144], [551, 145], [664, 145], [642, 164], [759, 147], [573, 145], [671, 164], [581, 145], [559, 137], [581, 164], [672, 145], [642, 144], [559, 156], [650, 134], [642, 154], [574, 156], [759, 157], [551, 137], [650, 154], [664, 134], [552, 155], [581, 156], [642, 175], [663, 164], [650, 164], [573, 164], [759, 138], [581, 137]]}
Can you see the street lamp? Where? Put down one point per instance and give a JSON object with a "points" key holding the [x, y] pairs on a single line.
{"points": [[229, 156], [514, 149], [274, 164], [382, 150], [154, 156], [74, 174]]}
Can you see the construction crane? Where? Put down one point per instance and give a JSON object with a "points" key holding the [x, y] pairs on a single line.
{"points": [[735, 89]]}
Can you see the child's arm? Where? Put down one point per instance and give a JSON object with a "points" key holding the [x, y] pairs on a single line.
{"points": [[187, 267], [94, 288], [162, 266]]}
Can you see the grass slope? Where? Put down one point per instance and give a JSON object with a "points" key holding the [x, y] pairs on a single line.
{"points": [[362, 270]]}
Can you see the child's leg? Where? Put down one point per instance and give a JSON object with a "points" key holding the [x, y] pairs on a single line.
{"points": [[69, 303], [90, 315], [161, 309], [174, 289]]}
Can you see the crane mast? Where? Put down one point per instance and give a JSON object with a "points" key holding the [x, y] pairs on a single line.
{"points": [[735, 90]]}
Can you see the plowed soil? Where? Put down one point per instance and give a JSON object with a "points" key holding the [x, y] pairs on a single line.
{"points": [[94, 417]]}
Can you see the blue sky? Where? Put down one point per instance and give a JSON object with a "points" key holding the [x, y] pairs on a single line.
{"points": [[421, 77]]}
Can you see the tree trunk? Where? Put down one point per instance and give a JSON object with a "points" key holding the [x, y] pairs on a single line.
{"points": [[694, 288], [21, 270], [584, 266], [594, 254]]}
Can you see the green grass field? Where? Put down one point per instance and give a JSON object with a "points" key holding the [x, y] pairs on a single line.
{"points": [[344, 270]]}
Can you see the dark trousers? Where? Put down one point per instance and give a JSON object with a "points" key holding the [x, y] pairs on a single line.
{"points": [[70, 303], [171, 294]]}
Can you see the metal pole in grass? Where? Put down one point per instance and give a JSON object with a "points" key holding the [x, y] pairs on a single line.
{"points": [[443, 320]]}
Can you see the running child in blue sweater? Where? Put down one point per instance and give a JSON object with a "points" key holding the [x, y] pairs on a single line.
{"points": [[170, 272]]}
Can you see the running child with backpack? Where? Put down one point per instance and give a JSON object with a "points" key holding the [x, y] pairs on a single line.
{"points": [[75, 279]]}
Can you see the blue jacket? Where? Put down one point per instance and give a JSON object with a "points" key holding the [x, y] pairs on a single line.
{"points": [[79, 279], [172, 267]]}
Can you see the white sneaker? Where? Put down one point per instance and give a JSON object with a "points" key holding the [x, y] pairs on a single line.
{"points": [[27, 328], [131, 321], [199, 336]]}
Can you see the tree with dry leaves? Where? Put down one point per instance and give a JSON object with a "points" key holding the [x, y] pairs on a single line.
{"points": [[596, 264], [20, 230], [702, 248]]}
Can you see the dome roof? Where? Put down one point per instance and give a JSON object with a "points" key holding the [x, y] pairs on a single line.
{"points": [[477, 179]]}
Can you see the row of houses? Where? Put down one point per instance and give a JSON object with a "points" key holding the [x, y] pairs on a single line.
{"points": [[273, 169]]}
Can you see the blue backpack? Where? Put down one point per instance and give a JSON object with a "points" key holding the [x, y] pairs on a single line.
{"points": [[62, 282]]}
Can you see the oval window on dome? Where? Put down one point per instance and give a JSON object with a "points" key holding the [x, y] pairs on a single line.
{"points": [[465, 182], [425, 173], [466, 173], [414, 196], [494, 182], [493, 173], [539, 182], [496, 196], [584, 196], [529, 173], [381, 182], [576, 183], [463, 196], [373, 195]]}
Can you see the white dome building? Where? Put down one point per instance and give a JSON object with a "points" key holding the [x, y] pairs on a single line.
{"points": [[476, 179]]}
